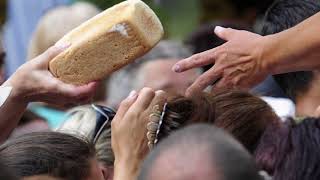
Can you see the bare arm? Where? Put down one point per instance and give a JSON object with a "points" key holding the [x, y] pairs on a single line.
{"points": [[246, 58], [295, 49], [32, 82]]}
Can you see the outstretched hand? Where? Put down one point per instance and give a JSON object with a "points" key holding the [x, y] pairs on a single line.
{"points": [[237, 64], [33, 82]]}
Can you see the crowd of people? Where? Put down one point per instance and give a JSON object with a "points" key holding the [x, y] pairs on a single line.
{"points": [[226, 105]]}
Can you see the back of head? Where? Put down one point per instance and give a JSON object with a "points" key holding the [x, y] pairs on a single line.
{"points": [[5, 173], [56, 23], [282, 15], [292, 151], [82, 121], [199, 152], [48, 153], [240, 113]]}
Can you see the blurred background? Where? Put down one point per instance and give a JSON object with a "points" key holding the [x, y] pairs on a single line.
{"points": [[19, 18]]}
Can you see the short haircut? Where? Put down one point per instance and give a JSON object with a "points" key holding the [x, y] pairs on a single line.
{"points": [[292, 151], [282, 15], [48, 153], [223, 152]]}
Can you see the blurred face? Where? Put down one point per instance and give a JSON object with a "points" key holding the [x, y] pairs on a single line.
{"points": [[159, 76]]}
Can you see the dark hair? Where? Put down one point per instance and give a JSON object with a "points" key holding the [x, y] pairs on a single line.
{"points": [[55, 154], [291, 151], [240, 113], [221, 151], [282, 15], [204, 38], [5, 173], [243, 5]]}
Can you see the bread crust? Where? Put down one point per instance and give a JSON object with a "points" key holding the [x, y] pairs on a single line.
{"points": [[107, 42]]}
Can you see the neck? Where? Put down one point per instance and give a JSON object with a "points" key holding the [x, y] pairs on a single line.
{"points": [[307, 104]]}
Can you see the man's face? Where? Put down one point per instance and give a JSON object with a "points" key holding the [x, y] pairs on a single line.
{"points": [[159, 76]]}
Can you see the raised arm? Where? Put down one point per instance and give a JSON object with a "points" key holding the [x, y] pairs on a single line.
{"points": [[32, 82], [247, 58]]}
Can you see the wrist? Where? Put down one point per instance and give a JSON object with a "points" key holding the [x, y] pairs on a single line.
{"points": [[268, 59], [16, 95], [126, 168]]}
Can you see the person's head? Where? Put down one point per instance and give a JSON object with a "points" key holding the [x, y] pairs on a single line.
{"points": [[5, 173], [199, 152], [124, 80], [282, 15], [56, 23], [94, 123], [52, 154], [157, 74], [242, 114], [29, 122], [291, 151]]}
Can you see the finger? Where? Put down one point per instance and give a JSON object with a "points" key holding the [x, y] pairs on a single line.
{"points": [[159, 99], [221, 84], [205, 80], [317, 112], [79, 92], [197, 60], [224, 33], [144, 100], [126, 104], [44, 59]]}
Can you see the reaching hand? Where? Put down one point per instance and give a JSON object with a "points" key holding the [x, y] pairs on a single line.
{"points": [[129, 131], [33, 82], [237, 64]]}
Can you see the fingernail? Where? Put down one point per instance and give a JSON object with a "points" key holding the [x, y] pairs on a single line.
{"points": [[132, 94], [63, 45], [218, 29], [176, 68]]}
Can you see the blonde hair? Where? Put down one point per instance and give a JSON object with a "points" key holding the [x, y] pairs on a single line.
{"points": [[56, 23], [81, 122]]}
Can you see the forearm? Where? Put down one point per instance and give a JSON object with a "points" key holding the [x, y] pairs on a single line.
{"points": [[10, 113], [295, 49]]}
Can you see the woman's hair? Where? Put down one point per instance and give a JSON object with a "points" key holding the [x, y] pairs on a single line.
{"points": [[242, 114], [291, 151], [48, 153], [56, 23], [81, 121]]}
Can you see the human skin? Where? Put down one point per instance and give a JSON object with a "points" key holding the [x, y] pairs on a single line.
{"points": [[246, 59], [129, 130], [32, 82]]}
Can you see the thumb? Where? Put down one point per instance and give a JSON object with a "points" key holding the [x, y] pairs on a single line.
{"points": [[224, 33], [43, 60]]}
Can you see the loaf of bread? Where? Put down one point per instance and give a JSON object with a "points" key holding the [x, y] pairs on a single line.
{"points": [[107, 42]]}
